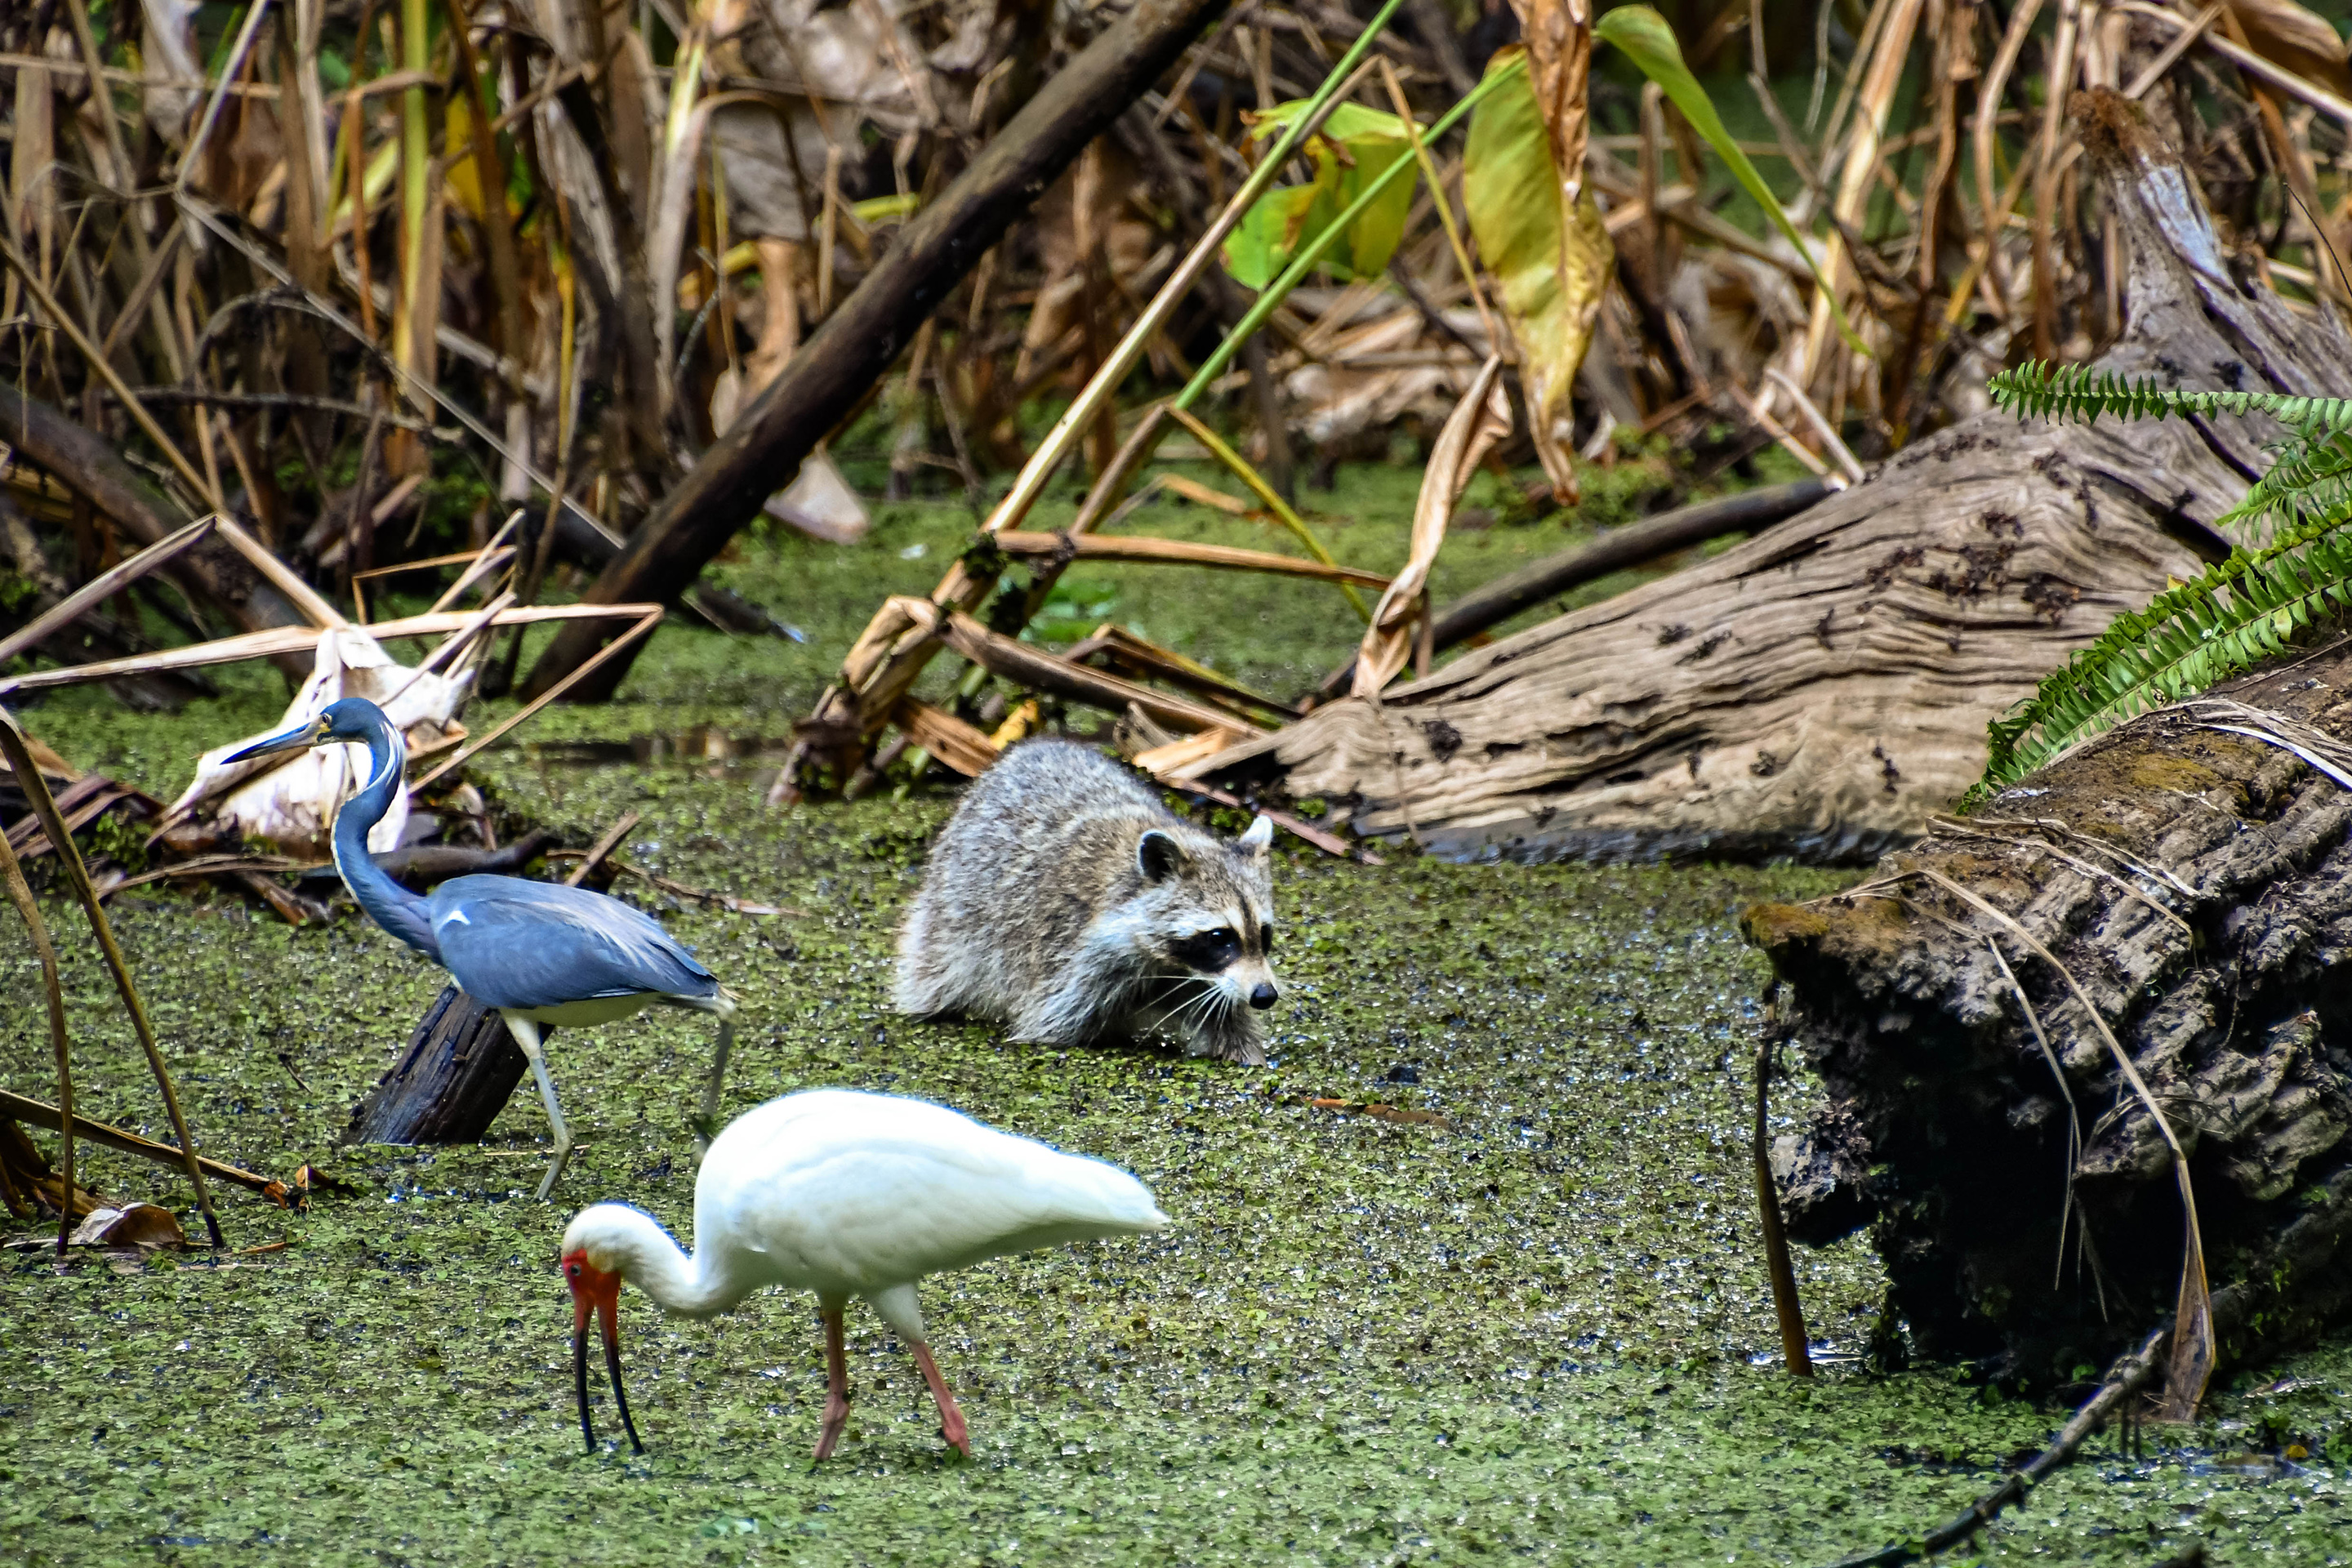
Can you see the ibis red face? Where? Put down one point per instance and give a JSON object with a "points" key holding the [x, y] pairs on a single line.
{"points": [[593, 1287]]}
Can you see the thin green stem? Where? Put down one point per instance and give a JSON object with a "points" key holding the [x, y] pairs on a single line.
{"points": [[1030, 482], [1269, 498], [1312, 251]]}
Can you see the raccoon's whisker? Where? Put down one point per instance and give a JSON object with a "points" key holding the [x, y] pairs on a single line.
{"points": [[1179, 1019], [1209, 1004]]}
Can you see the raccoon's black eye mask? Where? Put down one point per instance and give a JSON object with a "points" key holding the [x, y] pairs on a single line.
{"points": [[1207, 950]]}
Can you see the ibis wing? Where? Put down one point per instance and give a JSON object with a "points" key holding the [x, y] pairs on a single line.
{"points": [[516, 943], [880, 1189]]}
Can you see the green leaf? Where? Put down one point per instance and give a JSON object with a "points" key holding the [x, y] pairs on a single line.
{"points": [[1648, 41], [1354, 147]]}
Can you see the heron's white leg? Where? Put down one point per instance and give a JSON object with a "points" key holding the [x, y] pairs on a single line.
{"points": [[526, 1035], [707, 1125], [836, 1379]]}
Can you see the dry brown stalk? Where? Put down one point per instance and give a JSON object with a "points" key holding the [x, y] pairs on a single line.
{"points": [[1788, 1307], [21, 894], [36, 789], [302, 640], [19, 1108], [649, 616], [963, 747], [1177, 552], [103, 586], [604, 846]]}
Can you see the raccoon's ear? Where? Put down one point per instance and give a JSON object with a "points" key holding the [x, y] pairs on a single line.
{"points": [[1157, 856], [1258, 839]]}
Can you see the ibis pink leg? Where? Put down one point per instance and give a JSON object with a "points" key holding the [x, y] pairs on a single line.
{"points": [[836, 1383], [950, 1419]]}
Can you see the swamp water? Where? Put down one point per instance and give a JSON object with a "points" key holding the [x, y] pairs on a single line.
{"points": [[1536, 1329]]}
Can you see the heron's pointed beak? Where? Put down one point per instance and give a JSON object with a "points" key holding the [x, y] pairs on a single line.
{"points": [[592, 1289], [308, 733]]}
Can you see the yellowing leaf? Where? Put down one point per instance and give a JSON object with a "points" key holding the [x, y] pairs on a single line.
{"points": [[1550, 262], [464, 180], [1354, 147]]}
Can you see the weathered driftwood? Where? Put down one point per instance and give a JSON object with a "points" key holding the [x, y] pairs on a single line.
{"points": [[1819, 688], [2196, 881], [459, 1070]]}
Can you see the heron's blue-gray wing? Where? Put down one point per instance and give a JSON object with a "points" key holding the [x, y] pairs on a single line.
{"points": [[516, 943]]}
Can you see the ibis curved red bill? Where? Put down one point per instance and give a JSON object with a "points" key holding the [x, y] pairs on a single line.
{"points": [[594, 1289]]}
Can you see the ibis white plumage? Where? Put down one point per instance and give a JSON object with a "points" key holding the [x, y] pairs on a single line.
{"points": [[845, 1193]]}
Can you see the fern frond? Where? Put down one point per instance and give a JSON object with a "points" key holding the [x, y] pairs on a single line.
{"points": [[2234, 615], [2067, 391], [2310, 478]]}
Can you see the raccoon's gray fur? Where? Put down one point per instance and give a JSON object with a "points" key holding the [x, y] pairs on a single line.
{"points": [[1065, 900]]}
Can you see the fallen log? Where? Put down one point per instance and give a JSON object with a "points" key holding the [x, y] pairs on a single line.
{"points": [[1818, 689], [2191, 872], [422, 866], [458, 1072], [763, 448], [213, 574]]}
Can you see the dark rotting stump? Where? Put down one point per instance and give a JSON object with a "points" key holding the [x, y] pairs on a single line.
{"points": [[2192, 872], [459, 1070]]}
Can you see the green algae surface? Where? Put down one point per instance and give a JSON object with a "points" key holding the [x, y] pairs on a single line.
{"points": [[1536, 1328]]}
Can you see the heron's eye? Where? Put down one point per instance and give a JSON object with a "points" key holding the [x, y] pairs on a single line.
{"points": [[573, 1269]]}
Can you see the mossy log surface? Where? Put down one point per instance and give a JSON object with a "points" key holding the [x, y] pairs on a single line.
{"points": [[2197, 882], [1818, 689]]}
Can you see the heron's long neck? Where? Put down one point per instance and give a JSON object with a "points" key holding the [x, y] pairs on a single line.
{"points": [[690, 1286], [389, 904]]}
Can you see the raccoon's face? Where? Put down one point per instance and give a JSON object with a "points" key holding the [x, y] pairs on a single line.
{"points": [[1212, 913]]}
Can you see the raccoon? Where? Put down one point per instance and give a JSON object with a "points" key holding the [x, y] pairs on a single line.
{"points": [[1065, 900]]}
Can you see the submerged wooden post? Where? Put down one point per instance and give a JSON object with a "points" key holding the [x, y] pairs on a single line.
{"points": [[459, 1070]]}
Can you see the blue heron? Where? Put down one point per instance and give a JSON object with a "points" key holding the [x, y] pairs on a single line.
{"points": [[539, 953]]}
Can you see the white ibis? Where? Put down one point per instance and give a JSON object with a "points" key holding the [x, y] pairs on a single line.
{"points": [[844, 1193]]}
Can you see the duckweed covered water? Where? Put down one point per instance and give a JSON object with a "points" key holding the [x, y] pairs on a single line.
{"points": [[1536, 1329]]}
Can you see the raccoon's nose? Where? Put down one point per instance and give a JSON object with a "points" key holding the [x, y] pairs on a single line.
{"points": [[1262, 996]]}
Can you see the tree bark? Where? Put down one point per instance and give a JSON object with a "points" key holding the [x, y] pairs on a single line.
{"points": [[762, 449], [459, 1070], [1815, 690], [2196, 883]]}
